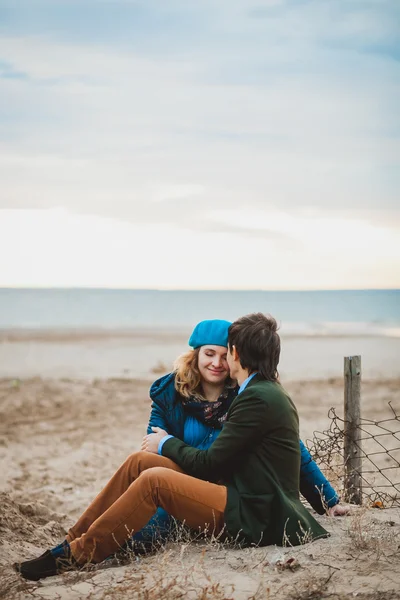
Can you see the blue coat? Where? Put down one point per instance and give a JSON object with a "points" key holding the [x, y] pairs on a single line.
{"points": [[167, 413]]}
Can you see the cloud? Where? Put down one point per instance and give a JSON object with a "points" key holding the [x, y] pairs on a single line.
{"points": [[153, 118], [112, 253], [55, 247], [164, 113]]}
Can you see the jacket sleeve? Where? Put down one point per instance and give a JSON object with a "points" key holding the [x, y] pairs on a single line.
{"points": [[242, 431], [158, 416], [314, 486]]}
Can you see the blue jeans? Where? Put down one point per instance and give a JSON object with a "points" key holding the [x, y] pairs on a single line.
{"points": [[157, 530]]}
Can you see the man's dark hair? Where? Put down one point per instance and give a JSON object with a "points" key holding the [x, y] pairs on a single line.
{"points": [[257, 343]]}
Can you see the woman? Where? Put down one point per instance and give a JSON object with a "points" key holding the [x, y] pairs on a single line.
{"points": [[191, 403]]}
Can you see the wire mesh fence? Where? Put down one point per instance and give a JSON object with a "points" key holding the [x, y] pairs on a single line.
{"points": [[379, 445]]}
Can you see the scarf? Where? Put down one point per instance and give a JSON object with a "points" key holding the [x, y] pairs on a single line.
{"points": [[212, 414]]}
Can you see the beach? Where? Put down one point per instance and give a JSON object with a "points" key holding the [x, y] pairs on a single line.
{"points": [[175, 171], [71, 415], [99, 353]]}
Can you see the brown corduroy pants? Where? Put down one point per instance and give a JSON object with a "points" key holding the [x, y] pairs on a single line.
{"points": [[144, 482]]}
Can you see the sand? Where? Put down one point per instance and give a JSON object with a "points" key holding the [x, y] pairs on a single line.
{"points": [[133, 354], [62, 438]]}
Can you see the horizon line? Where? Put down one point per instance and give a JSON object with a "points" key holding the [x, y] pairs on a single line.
{"points": [[155, 289]]}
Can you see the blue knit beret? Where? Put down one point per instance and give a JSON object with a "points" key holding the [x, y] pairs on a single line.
{"points": [[213, 332]]}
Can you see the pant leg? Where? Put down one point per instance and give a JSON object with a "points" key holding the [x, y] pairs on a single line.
{"points": [[198, 503], [117, 485]]}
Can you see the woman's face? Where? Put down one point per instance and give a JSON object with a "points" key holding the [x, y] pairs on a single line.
{"points": [[212, 364]]}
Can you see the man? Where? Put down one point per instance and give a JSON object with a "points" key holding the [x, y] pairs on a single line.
{"points": [[245, 486]]}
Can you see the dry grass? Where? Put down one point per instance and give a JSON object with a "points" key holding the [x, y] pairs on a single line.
{"points": [[157, 582], [204, 569], [372, 537]]}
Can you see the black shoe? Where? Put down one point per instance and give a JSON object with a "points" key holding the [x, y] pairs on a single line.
{"points": [[63, 547], [17, 566], [46, 565]]}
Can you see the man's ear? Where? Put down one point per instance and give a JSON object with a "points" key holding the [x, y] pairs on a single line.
{"points": [[234, 353]]}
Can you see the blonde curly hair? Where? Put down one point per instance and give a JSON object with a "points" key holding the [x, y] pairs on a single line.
{"points": [[187, 374]]}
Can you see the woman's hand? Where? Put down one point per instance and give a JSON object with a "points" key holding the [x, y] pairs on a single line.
{"points": [[339, 510], [151, 441]]}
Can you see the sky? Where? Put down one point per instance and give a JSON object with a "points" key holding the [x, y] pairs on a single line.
{"points": [[187, 144]]}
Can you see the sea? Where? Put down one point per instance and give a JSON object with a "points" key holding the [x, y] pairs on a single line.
{"points": [[305, 313]]}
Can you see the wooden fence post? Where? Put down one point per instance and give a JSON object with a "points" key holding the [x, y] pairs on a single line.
{"points": [[352, 434]]}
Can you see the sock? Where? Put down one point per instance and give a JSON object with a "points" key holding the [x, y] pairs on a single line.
{"points": [[62, 550]]}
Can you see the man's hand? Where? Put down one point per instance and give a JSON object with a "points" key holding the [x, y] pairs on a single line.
{"points": [[151, 441]]}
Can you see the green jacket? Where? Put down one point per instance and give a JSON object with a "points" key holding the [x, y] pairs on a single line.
{"points": [[257, 457]]}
